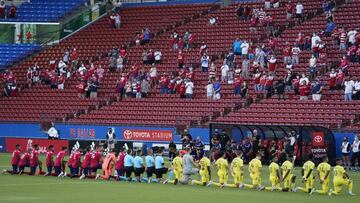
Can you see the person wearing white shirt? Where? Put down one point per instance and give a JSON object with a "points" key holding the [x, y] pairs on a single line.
{"points": [[345, 150], [82, 69], [299, 10], [209, 90], [352, 36], [189, 88], [53, 133], [314, 39], [349, 86], [157, 55], [117, 19], [355, 152], [304, 79], [224, 71], [244, 49], [205, 63]]}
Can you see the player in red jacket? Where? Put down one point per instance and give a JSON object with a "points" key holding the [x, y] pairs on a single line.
{"points": [[34, 160], [24, 161], [86, 164], [49, 160], [15, 158]]}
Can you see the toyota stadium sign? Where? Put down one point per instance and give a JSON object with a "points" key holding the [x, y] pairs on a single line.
{"points": [[148, 135]]}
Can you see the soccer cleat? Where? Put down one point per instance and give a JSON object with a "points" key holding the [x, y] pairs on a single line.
{"points": [[64, 175], [273, 188], [296, 189], [352, 194], [241, 186], [330, 192], [166, 181], [61, 175], [46, 174], [222, 186], [97, 176], [312, 191], [210, 184], [149, 180], [193, 182], [82, 176], [4, 171], [261, 188], [21, 172]]}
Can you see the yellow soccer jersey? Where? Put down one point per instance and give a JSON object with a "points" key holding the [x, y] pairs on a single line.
{"points": [[323, 168], [339, 172], [309, 165], [222, 164], [255, 166], [273, 169], [177, 163], [236, 165], [204, 164], [287, 165]]}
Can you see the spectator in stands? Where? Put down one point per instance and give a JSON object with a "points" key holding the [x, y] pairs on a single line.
{"points": [[244, 89], [213, 20], [295, 54], [303, 89], [351, 36], [81, 88], [314, 40], [181, 59], [217, 89], [224, 71], [153, 76], [146, 36], [112, 64], [74, 59], [299, 12], [189, 86], [316, 89], [164, 83], [244, 49], [2, 9], [236, 46], [344, 65], [272, 64], [356, 93], [332, 80], [203, 49], [351, 54], [117, 19], [12, 11], [93, 87], [342, 39], [280, 89], [330, 27], [269, 85], [209, 90], [349, 86], [29, 77], [289, 10], [313, 67], [205, 62], [340, 77], [61, 81], [144, 88], [239, 12], [128, 89], [157, 56]]}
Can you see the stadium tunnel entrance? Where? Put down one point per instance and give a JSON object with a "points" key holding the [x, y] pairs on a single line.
{"points": [[318, 141]]}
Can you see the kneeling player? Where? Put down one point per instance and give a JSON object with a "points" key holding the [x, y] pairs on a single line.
{"points": [[341, 178], [60, 163], [255, 170], [275, 175], [205, 172], [288, 178], [107, 166], [237, 170], [24, 161], [85, 165], [128, 165], [307, 175], [176, 165], [222, 165], [34, 160], [323, 170], [139, 167], [49, 160], [14, 161]]}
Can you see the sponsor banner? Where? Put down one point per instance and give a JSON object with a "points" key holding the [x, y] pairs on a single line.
{"points": [[85, 143], [43, 144], [147, 135], [318, 139], [2, 144]]}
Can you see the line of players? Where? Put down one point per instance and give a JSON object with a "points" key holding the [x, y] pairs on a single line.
{"points": [[183, 167]]}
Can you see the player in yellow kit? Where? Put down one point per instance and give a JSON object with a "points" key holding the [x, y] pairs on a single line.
{"points": [[237, 171], [307, 175], [255, 169], [275, 175], [222, 165], [204, 172], [176, 165], [341, 178], [288, 179], [323, 170]]}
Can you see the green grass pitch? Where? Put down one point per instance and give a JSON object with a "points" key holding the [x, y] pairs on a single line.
{"points": [[16, 189]]}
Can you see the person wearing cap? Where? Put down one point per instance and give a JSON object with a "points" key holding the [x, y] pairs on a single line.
{"points": [[111, 138], [345, 150]]}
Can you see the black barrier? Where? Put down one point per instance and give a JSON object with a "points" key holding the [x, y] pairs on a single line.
{"points": [[85, 143]]}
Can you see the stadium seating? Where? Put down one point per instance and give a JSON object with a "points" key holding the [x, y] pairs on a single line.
{"points": [[170, 110], [44, 11], [12, 53]]}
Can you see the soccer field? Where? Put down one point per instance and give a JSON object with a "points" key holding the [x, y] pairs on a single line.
{"points": [[14, 188]]}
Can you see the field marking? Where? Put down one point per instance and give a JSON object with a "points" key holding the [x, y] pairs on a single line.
{"points": [[59, 183]]}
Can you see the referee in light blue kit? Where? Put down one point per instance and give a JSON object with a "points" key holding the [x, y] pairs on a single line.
{"points": [[128, 165], [160, 168], [150, 165], [138, 166]]}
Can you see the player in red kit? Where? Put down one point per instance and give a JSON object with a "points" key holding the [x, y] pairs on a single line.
{"points": [[24, 161], [34, 160], [14, 161], [95, 162], [119, 166], [76, 164], [59, 163], [86, 163], [49, 160], [71, 161]]}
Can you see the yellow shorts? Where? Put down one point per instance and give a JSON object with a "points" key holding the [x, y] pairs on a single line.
{"points": [[287, 181], [274, 181], [178, 174], [205, 178], [238, 178], [309, 183], [339, 182], [223, 177], [256, 179]]}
